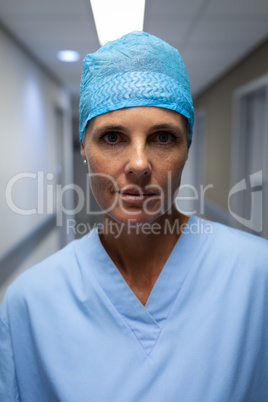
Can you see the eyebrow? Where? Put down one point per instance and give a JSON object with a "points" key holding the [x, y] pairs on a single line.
{"points": [[160, 126], [108, 127], [167, 126]]}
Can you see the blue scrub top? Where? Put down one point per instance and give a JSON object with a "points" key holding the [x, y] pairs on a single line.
{"points": [[71, 329]]}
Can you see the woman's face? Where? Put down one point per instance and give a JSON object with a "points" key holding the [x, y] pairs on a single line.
{"points": [[136, 157]]}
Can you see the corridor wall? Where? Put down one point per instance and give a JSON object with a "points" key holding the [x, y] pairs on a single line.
{"points": [[30, 101], [218, 104]]}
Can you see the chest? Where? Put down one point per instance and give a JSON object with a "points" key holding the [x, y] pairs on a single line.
{"points": [[100, 353]]}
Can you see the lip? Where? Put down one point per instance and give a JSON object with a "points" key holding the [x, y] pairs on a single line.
{"points": [[136, 197]]}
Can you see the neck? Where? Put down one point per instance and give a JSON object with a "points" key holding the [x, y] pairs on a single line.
{"points": [[140, 251]]}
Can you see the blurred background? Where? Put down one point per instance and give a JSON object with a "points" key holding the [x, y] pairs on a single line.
{"points": [[45, 197]]}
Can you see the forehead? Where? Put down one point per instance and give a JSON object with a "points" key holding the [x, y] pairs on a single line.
{"points": [[144, 116]]}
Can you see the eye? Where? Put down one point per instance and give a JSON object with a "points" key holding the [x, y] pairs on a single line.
{"points": [[164, 137], [111, 137]]}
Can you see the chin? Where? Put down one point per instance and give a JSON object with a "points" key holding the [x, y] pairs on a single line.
{"points": [[133, 219]]}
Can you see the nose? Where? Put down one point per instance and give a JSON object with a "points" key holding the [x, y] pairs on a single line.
{"points": [[138, 163]]}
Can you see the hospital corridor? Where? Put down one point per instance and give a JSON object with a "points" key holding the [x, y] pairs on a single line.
{"points": [[46, 199]]}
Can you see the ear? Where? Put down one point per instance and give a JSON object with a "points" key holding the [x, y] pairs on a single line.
{"points": [[82, 151], [187, 153]]}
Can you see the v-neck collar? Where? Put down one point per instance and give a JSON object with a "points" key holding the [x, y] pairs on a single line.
{"points": [[146, 322]]}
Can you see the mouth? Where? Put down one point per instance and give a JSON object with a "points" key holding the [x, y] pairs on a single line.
{"points": [[136, 197]]}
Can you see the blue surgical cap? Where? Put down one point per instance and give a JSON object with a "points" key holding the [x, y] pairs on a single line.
{"points": [[138, 69]]}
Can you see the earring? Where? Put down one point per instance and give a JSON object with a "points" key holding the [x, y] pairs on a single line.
{"points": [[85, 161]]}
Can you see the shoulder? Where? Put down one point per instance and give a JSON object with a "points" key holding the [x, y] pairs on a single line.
{"points": [[240, 242], [224, 246], [37, 280], [51, 279], [226, 236], [234, 263], [237, 252], [46, 270]]}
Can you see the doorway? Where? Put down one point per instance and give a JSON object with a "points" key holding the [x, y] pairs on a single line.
{"points": [[248, 195]]}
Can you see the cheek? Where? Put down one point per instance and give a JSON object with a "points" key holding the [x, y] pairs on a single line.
{"points": [[175, 167], [103, 188], [172, 178], [182, 160], [97, 162], [103, 162], [102, 175]]}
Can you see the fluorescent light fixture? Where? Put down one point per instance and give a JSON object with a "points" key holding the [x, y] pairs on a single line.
{"points": [[114, 18], [68, 56]]}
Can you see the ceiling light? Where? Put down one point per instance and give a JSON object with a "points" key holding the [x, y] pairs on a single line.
{"points": [[68, 56], [116, 18]]}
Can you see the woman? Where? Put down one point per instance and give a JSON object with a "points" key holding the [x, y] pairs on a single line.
{"points": [[146, 308]]}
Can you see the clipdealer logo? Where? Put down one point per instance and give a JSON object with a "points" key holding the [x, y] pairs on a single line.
{"points": [[50, 197], [254, 222]]}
